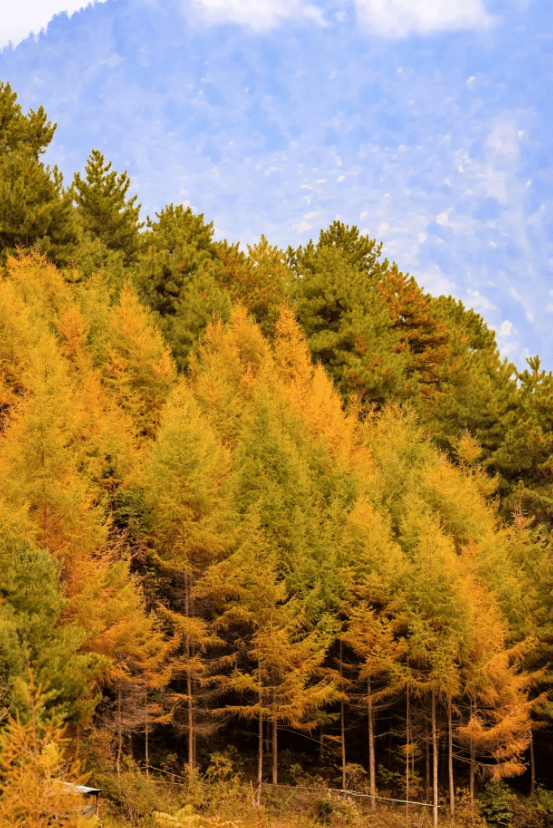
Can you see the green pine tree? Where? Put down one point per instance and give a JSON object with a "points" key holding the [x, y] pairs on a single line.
{"points": [[33, 634], [174, 277], [103, 208], [34, 207]]}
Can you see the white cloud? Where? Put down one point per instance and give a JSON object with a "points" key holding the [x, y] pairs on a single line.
{"points": [[503, 141], [481, 304], [24, 17], [400, 18], [505, 328], [259, 15]]}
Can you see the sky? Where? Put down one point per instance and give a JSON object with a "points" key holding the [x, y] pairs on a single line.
{"points": [[425, 123]]}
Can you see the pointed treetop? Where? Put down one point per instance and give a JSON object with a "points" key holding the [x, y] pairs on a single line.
{"points": [[18, 130], [104, 209]]}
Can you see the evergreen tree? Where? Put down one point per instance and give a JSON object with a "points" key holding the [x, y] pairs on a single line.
{"points": [[103, 207], [34, 207], [523, 457], [478, 389], [347, 324], [32, 634], [359, 252], [174, 278], [420, 334], [260, 282]]}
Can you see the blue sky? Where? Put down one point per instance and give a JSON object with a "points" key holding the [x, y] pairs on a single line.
{"points": [[426, 123]]}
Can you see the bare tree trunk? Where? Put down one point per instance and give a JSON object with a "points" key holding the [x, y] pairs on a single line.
{"points": [[119, 732], [434, 762], [407, 755], [472, 767], [321, 741], [342, 730], [532, 766], [372, 774], [189, 679], [259, 752], [427, 764], [275, 752], [450, 760], [146, 736]]}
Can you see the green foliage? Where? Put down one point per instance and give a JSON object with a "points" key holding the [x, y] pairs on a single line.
{"points": [[346, 326], [32, 634], [494, 804], [261, 281], [277, 512], [16, 130], [174, 278], [543, 800], [33, 204], [130, 511], [103, 208]]}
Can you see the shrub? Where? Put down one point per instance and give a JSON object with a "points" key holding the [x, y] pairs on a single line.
{"points": [[494, 804]]}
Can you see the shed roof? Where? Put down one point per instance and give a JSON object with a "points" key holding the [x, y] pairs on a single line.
{"points": [[84, 789]]}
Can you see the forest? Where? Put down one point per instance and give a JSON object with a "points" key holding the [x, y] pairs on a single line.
{"points": [[275, 527]]}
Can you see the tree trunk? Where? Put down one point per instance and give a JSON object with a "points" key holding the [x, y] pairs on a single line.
{"points": [[342, 730], [189, 679], [372, 774], [259, 752], [275, 741], [275, 753], [119, 732], [450, 760], [407, 755], [434, 762], [321, 741], [472, 767], [146, 737], [427, 765], [532, 766]]}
